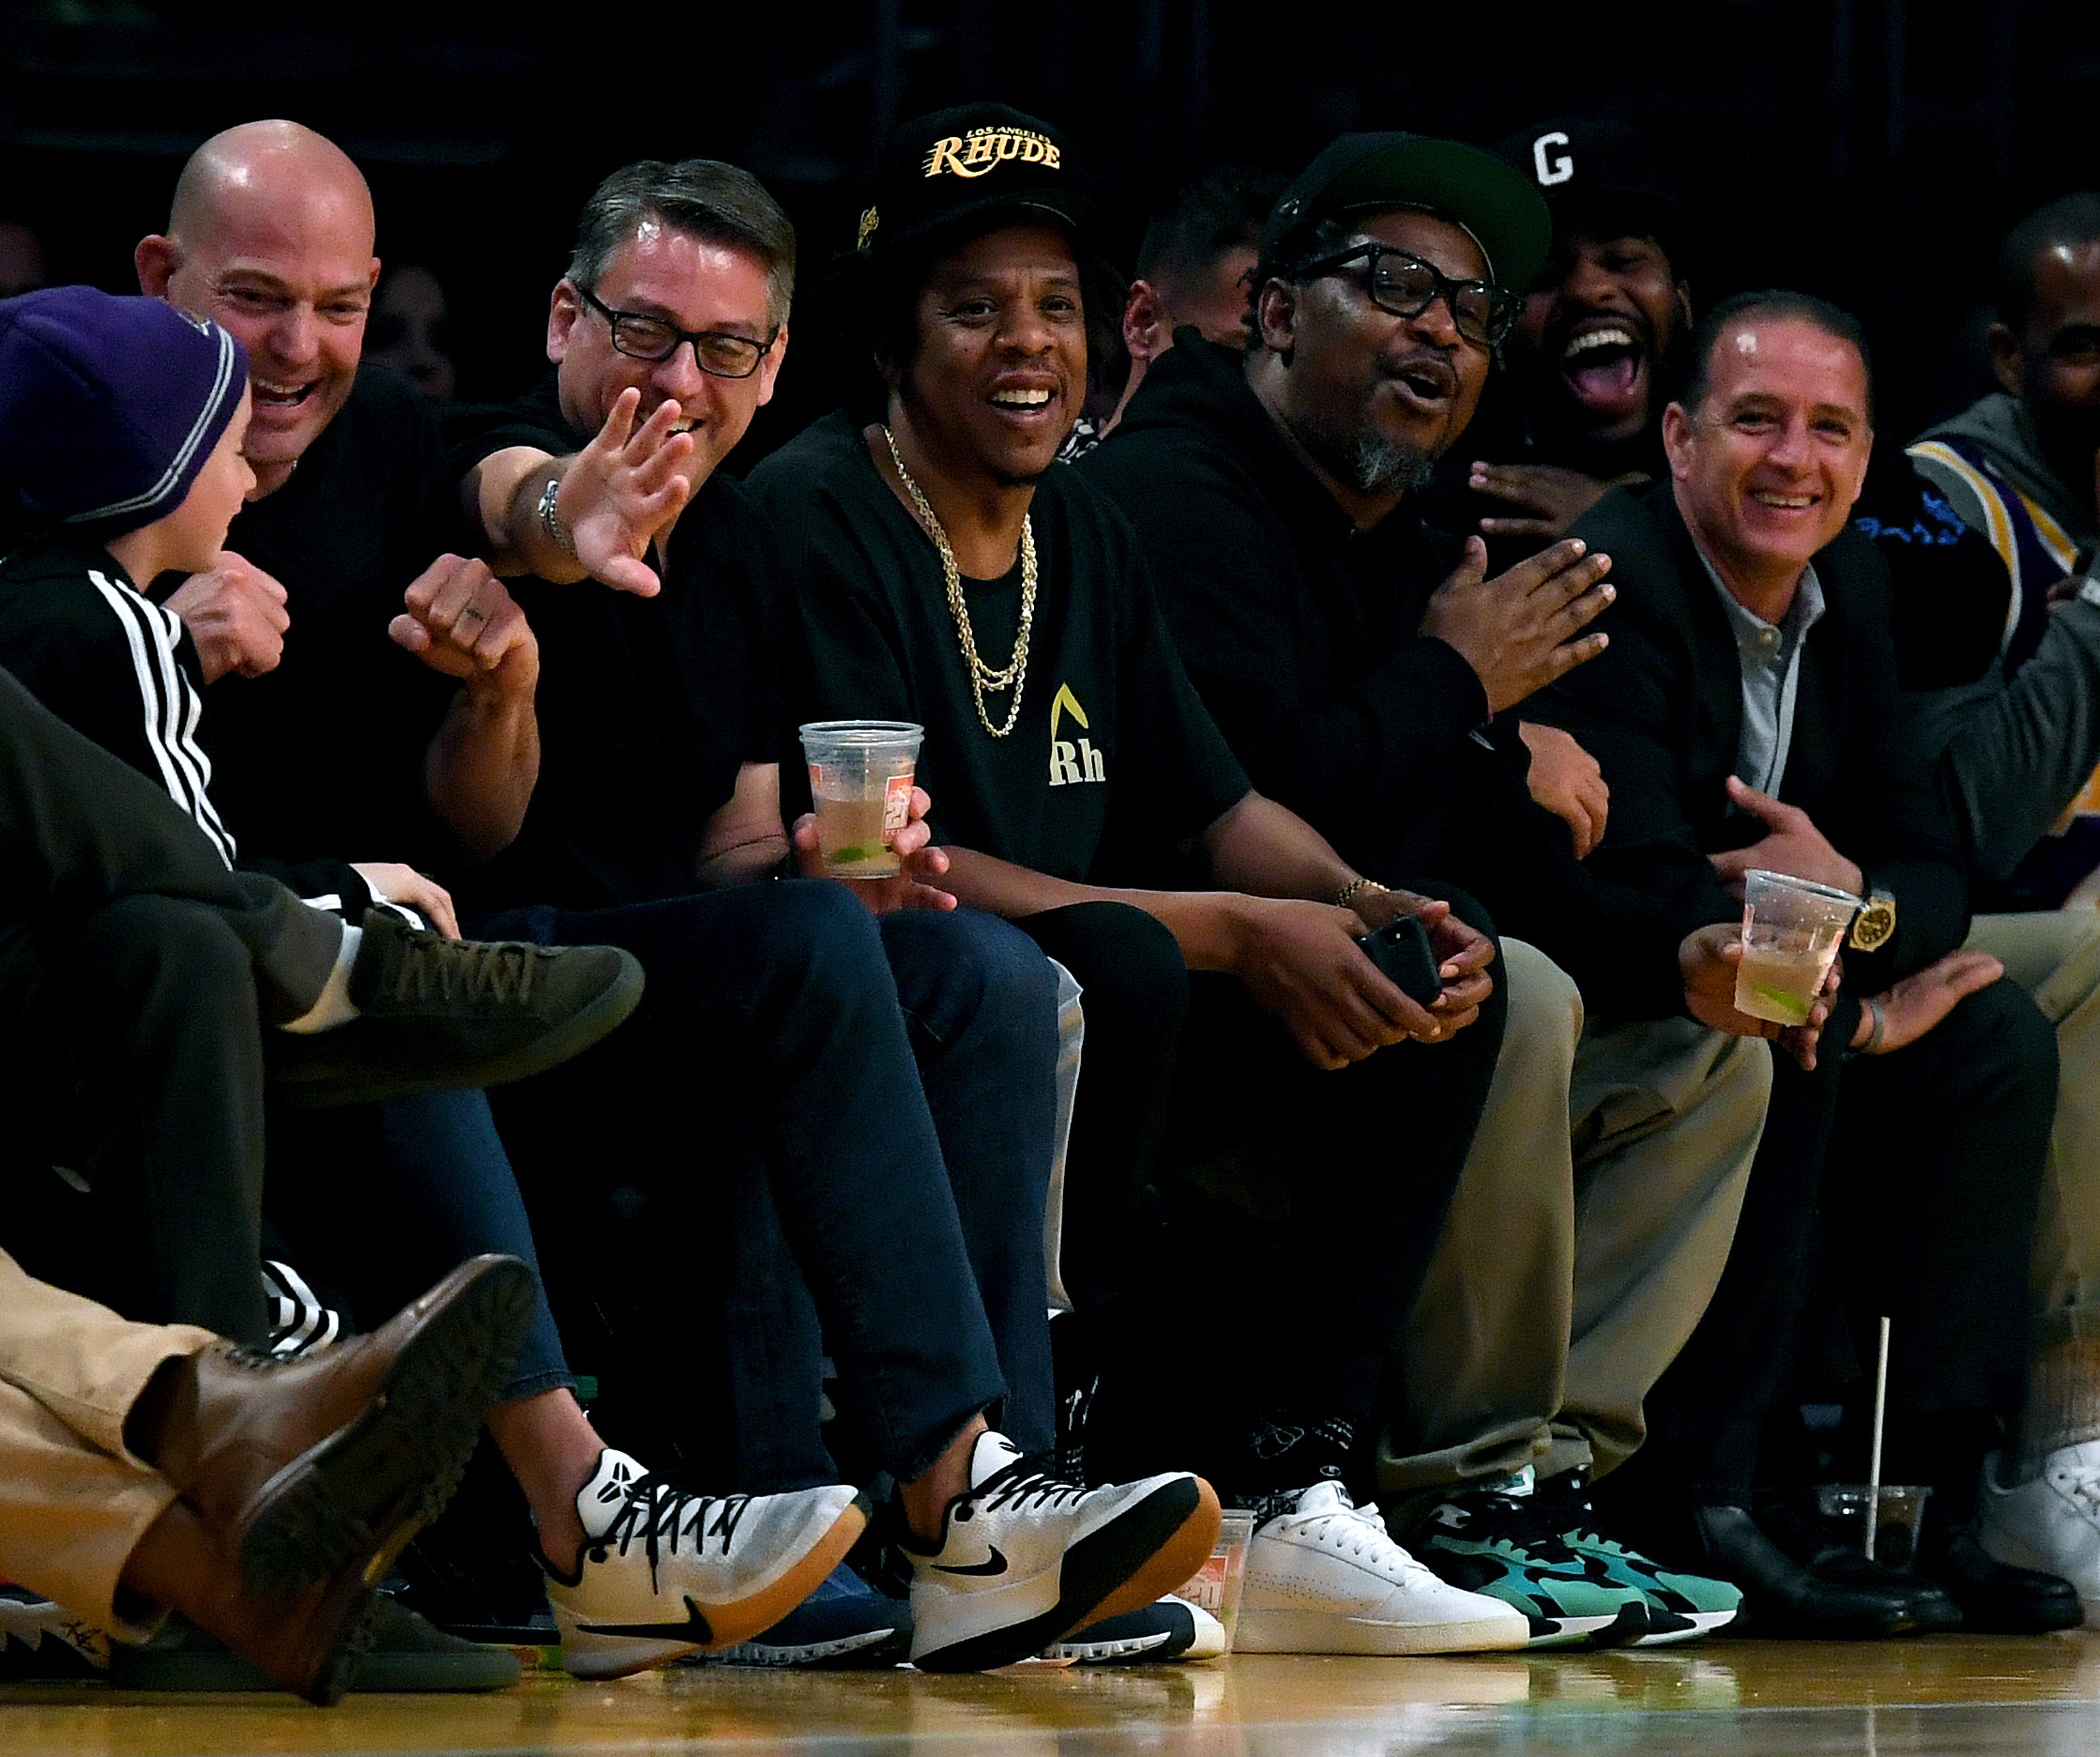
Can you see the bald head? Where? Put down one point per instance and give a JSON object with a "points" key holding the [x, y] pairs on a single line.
{"points": [[261, 165], [270, 232]]}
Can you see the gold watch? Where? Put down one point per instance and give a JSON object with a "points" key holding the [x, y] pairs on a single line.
{"points": [[1874, 923]]}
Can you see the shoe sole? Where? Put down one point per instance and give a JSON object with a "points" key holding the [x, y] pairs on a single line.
{"points": [[1174, 1531], [1624, 1628], [1322, 1632], [362, 1670], [557, 1044], [1700, 1622], [875, 1647], [371, 1486], [728, 1625]]}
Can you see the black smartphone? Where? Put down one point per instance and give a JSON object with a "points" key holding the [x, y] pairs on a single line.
{"points": [[1401, 951]]}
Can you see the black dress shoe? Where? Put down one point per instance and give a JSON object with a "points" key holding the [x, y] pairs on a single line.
{"points": [[1817, 1600], [1996, 1598]]}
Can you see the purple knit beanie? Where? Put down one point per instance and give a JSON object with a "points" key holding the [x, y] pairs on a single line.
{"points": [[110, 406]]}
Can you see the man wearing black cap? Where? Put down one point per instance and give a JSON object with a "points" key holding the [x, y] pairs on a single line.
{"points": [[949, 572], [1594, 352], [878, 1090], [1357, 676]]}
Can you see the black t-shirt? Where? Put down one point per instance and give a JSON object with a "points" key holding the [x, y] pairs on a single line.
{"points": [[1112, 761], [324, 756], [647, 706]]}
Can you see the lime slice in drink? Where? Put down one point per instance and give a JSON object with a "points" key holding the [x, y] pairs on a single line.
{"points": [[1787, 1008]]}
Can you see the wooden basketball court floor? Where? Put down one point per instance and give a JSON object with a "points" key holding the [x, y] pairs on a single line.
{"points": [[1932, 1697]]}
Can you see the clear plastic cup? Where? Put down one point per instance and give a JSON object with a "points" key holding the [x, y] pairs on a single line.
{"points": [[1895, 1525], [860, 776], [1792, 929], [1215, 1586]]}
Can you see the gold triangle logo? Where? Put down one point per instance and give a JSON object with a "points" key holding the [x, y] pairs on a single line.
{"points": [[1065, 702]]}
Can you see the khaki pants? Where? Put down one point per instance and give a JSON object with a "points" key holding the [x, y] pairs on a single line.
{"points": [[1591, 1225], [2055, 955], [73, 1502]]}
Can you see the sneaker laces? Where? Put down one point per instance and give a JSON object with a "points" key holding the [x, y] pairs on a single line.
{"points": [[655, 1510], [432, 967], [2080, 1484], [1346, 1528], [1026, 1482], [1513, 1519]]}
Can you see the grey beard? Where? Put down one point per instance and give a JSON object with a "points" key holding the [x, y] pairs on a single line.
{"points": [[1375, 465]]}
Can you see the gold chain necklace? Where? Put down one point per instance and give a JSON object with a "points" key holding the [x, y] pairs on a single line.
{"points": [[983, 679]]}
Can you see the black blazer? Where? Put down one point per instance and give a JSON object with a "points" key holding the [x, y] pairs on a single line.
{"points": [[1660, 708]]}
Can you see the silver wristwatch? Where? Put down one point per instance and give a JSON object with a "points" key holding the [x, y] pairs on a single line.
{"points": [[551, 519]]}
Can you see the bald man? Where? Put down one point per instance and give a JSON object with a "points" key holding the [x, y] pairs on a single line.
{"points": [[339, 561]]}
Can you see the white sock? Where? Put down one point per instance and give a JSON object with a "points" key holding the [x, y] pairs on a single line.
{"points": [[334, 1007]]}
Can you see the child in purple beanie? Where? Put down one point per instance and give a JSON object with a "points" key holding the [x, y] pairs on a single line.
{"points": [[121, 422]]}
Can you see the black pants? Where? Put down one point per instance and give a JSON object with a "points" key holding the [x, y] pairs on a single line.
{"points": [[1302, 1205], [135, 974], [1923, 1166]]}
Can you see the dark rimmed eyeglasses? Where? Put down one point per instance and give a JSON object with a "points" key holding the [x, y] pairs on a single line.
{"points": [[641, 337], [1399, 282]]}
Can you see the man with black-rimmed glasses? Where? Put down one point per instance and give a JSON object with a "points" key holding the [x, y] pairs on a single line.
{"points": [[1369, 675], [833, 1113]]}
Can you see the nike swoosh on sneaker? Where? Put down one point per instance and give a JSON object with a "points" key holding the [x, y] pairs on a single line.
{"points": [[996, 1565], [694, 1627]]}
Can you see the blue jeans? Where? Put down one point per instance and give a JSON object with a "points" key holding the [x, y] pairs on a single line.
{"points": [[433, 1187], [764, 1112]]}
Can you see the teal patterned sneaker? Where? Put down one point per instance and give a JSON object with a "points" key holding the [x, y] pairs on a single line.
{"points": [[1680, 1607], [1491, 1539]]}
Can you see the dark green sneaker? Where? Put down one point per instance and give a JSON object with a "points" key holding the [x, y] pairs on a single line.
{"points": [[1680, 1607], [1492, 1540]]}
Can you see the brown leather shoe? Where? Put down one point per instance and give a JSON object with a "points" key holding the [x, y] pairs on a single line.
{"points": [[298, 1467], [307, 1642]]}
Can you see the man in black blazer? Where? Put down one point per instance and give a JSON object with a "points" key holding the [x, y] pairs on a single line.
{"points": [[1744, 714]]}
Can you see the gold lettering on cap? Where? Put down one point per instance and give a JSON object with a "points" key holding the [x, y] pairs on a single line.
{"points": [[973, 154]]}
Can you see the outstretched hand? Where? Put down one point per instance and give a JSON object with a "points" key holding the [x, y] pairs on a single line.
{"points": [[623, 490]]}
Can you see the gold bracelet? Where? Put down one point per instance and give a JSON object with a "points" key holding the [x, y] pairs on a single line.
{"points": [[1346, 895]]}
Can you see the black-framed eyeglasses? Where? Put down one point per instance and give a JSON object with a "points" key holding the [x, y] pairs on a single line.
{"points": [[641, 337], [1401, 283]]}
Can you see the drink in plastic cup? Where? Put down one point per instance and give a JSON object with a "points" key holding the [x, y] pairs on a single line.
{"points": [[1792, 929], [1215, 1586], [1895, 1526], [860, 774]]}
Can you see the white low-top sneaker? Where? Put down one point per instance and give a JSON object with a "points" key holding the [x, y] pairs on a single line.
{"points": [[1025, 1557], [2051, 1524], [665, 1572], [1325, 1576]]}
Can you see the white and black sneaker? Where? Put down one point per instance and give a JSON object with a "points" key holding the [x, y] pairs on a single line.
{"points": [[665, 1572], [1025, 1557]]}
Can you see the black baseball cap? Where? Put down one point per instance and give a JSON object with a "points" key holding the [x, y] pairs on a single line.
{"points": [[1471, 187], [958, 169], [1600, 165]]}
